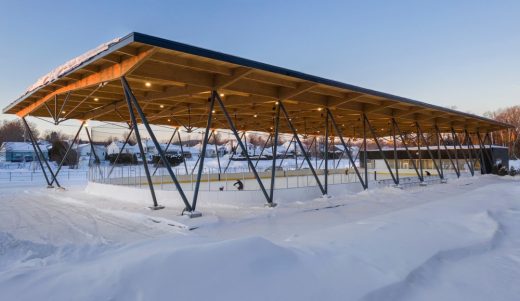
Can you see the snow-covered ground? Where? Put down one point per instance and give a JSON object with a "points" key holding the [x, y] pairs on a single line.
{"points": [[455, 241]]}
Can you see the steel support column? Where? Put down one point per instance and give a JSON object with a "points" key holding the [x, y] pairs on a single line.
{"points": [[68, 151], [488, 155], [218, 158], [120, 151], [295, 135], [198, 159], [182, 151], [481, 155], [456, 140], [352, 161], [275, 148], [270, 202], [467, 139], [326, 173], [396, 182], [233, 151], [455, 166], [166, 149], [407, 150], [396, 159], [131, 99], [419, 152], [93, 150], [38, 151], [365, 161], [474, 151], [439, 154], [203, 151], [308, 150], [286, 151], [141, 148], [420, 132], [262, 151]]}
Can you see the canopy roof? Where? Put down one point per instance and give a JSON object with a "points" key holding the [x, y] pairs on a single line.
{"points": [[172, 82]]}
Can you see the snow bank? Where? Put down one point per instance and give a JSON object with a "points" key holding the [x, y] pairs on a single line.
{"points": [[168, 271], [460, 242]]}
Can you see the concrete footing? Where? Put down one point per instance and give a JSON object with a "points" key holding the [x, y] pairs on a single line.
{"points": [[158, 207], [192, 214]]}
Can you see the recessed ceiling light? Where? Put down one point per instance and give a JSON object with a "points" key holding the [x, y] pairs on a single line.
{"points": [[63, 112], [255, 115], [319, 109], [169, 120], [148, 84], [162, 106], [96, 99], [222, 94], [213, 111]]}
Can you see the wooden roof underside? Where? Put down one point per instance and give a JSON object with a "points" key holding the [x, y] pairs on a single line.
{"points": [[181, 84]]}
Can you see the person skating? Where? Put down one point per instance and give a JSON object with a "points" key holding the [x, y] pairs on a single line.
{"points": [[239, 184]]}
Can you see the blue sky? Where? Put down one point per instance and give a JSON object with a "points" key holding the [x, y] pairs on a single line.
{"points": [[449, 53]]}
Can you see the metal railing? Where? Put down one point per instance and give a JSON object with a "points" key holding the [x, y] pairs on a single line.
{"points": [[212, 180]]}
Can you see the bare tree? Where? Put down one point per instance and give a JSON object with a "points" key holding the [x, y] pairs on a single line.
{"points": [[511, 138], [132, 140], [14, 131]]}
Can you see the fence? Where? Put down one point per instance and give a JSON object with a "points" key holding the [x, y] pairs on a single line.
{"points": [[37, 175]]}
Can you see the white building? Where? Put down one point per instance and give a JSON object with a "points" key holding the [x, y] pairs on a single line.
{"points": [[116, 146], [85, 150]]}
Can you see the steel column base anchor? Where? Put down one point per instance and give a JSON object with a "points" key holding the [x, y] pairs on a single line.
{"points": [[423, 184], [326, 196], [444, 181], [398, 186], [50, 186], [192, 214], [270, 205], [61, 188], [158, 207]]}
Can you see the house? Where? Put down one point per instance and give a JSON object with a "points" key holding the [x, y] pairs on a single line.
{"points": [[116, 146], [211, 152], [21, 151], [85, 150], [280, 152]]}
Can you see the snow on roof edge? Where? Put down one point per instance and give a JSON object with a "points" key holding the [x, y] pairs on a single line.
{"points": [[58, 72]]}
